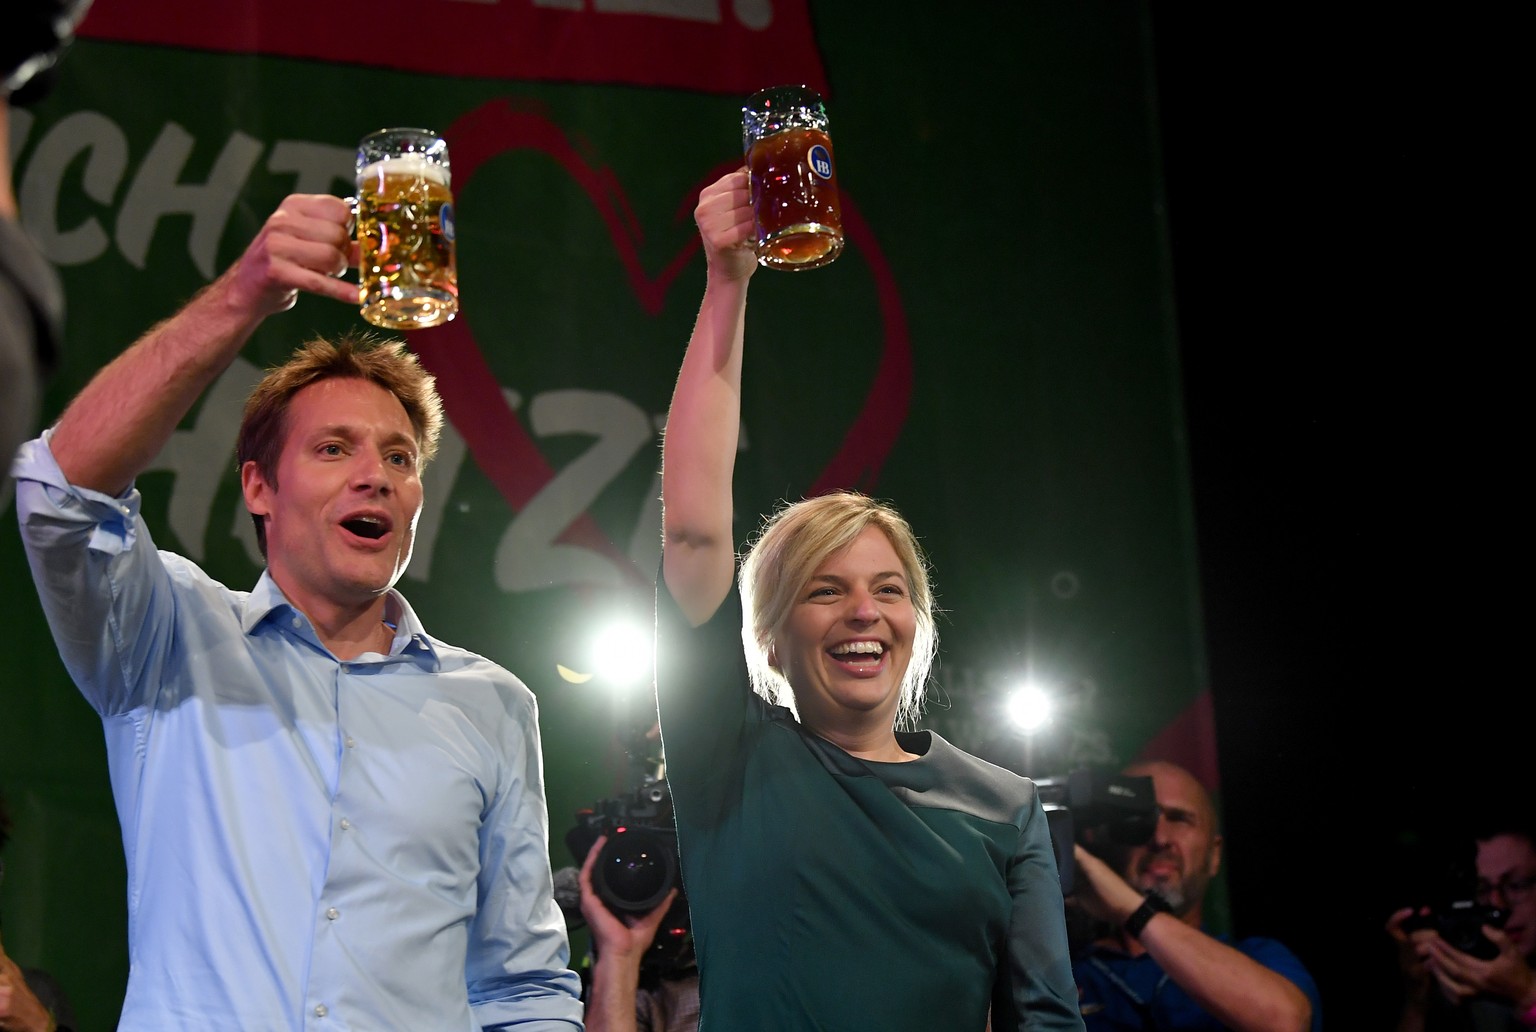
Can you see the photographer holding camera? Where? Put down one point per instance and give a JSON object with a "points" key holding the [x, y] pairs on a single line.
{"points": [[1474, 975], [619, 999], [641, 975], [1154, 966]]}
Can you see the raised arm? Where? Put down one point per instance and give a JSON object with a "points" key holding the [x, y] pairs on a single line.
{"points": [[117, 424], [699, 449]]}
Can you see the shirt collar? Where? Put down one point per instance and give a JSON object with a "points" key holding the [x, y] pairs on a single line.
{"points": [[267, 600]]}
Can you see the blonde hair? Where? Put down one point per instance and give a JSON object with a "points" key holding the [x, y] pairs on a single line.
{"points": [[793, 542]]}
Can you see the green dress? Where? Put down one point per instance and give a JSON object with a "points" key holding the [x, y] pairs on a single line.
{"points": [[836, 894]]}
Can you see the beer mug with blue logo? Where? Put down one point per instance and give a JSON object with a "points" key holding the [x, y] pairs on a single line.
{"points": [[794, 182]]}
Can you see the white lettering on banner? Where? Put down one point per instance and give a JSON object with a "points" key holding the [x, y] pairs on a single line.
{"points": [[201, 456], [106, 157], [528, 556], [316, 167], [155, 189], [156, 192]]}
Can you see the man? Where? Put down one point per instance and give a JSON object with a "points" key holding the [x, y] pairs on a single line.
{"points": [[1157, 967], [331, 818], [1449, 990]]}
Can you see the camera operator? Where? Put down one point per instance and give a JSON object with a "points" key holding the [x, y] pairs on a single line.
{"points": [[1154, 966], [1447, 989], [641, 975], [616, 1002]]}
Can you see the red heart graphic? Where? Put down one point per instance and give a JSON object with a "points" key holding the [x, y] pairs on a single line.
{"points": [[491, 430]]}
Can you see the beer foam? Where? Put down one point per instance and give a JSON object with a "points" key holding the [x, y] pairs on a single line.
{"points": [[407, 164]]}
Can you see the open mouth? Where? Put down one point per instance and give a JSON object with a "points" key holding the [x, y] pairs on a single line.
{"points": [[858, 653], [370, 527]]}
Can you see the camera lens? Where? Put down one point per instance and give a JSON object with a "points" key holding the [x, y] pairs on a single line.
{"points": [[635, 870]]}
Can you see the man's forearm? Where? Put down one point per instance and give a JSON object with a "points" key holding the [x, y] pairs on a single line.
{"points": [[120, 421], [1242, 993]]}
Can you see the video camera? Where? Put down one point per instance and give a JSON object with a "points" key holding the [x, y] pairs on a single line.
{"points": [[1104, 813], [638, 866]]}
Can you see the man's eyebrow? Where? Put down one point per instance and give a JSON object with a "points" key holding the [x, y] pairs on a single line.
{"points": [[352, 433]]}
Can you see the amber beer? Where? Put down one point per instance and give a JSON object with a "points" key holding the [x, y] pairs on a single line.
{"points": [[407, 275], [794, 182]]}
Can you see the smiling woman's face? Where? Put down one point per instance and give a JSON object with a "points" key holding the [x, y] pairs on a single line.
{"points": [[846, 642]]}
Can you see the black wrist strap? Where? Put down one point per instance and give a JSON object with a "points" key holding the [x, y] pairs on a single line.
{"points": [[1153, 904]]}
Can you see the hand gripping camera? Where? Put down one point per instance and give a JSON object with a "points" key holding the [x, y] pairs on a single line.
{"points": [[1460, 923], [638, 866], [1105, 813]]}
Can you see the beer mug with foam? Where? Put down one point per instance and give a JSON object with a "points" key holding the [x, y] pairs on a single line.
{"points": [[407, 278], [794, 184]]}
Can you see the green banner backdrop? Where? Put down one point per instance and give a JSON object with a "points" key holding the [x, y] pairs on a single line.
{"points": [[994, 351]]}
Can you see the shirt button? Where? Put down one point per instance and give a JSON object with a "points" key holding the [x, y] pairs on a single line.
{"points": [[320, 1010], [345, 824], [350, 742], [333, 913], [296, 621]]}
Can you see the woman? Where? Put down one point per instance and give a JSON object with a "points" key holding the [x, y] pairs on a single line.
{"points": [[840, 874]]}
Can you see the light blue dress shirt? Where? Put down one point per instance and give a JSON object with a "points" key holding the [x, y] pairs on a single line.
{"points": [[311, 843]]}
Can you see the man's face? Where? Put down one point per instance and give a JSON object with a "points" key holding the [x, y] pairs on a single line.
{"points": [[340, 525], [1184, 852], [1506, 877]]}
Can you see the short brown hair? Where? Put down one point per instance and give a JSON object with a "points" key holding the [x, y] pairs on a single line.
{"points": [[264, 427]]}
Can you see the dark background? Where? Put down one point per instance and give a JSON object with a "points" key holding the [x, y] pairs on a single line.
{"points": [[1335, 217]]}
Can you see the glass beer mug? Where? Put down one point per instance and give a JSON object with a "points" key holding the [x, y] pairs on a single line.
{"points": [[407, 277], [794, 184]]}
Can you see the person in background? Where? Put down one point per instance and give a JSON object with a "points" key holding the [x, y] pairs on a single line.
{"points": [[31, 1000], [37, 35], [331, 818], [840, 873], [621, 995], [1446, 989], [1155, 966]]}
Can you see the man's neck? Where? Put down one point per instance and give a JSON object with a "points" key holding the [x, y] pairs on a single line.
{"points": [[347, 630]]}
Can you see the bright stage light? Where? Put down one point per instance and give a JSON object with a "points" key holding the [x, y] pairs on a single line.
{"points": [[621, 653], [1030, 707]]}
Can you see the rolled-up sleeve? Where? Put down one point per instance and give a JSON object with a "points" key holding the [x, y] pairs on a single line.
{"points": [[98, 575]]}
